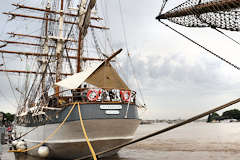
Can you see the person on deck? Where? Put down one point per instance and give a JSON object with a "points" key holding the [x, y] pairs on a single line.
{"points": [[111, 95], [84, 93]]}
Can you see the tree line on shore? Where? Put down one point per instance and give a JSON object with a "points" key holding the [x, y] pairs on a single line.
{"points": [[231, 114], [7, 118]]}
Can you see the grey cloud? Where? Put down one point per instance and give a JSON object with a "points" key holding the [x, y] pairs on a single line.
{"points": [[203, 75]]}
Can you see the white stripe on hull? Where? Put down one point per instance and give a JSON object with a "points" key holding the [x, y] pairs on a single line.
{"points": [[69, 141], [80, 140]]}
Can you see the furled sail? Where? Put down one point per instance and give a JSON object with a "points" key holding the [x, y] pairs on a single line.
{"points": [[102, 75]]}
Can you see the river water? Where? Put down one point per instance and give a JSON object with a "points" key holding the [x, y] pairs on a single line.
{"points": [[195, 141]]}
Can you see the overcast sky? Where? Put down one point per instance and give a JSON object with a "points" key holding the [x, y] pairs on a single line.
{"points": [[178, 78]]}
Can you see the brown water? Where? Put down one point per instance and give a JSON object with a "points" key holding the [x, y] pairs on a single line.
{"points": [[195, 141]]}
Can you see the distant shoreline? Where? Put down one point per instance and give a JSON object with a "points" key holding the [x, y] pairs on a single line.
{"points": [[168, 121], [181, 120]]}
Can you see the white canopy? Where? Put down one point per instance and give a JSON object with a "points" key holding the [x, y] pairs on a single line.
{"points": [[102, 75]]}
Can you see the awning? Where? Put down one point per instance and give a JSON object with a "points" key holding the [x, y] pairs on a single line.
{"points": [[102, 75]]}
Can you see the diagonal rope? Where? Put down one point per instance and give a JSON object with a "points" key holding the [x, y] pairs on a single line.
{"points": [[25, 133], [50, 136], [215, 28], [211, 52], [168, 128], [85, 134], [10, 83], [163, 6], [128, 53], [137, 81], [123, 25], [226, 35]]}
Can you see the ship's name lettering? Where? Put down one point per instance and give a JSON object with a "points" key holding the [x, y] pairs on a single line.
{"points": [[112, 112], [107, 107]]}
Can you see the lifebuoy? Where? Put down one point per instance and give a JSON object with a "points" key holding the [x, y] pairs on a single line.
{"points": [[92, 95], [124, 94], [99, 92]]}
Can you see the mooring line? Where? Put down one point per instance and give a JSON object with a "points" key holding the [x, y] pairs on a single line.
{"points": [[50, 136], [56, 130], [85, 134], [168, 128]]}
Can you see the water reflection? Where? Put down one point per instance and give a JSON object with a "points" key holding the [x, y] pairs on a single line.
{"points": [[23, 156]]}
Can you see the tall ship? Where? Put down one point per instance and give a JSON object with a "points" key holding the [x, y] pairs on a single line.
{"points": [[72, 99]]}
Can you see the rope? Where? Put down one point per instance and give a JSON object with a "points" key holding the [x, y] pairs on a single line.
{"points": [[163, 6], [211, 52], [226, 35], [123, 25], [127, 48], [26, 133], [10, 83], [6, 98], [215, 28], [56, 130], [50, 136], [124, 37], [137, 81], [85, 134], [168, 128]]}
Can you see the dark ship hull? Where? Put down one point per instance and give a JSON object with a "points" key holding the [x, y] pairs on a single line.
{"points": [[107, 125]]}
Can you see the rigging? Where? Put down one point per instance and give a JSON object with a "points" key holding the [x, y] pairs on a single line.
{"points": [[213, 13]]}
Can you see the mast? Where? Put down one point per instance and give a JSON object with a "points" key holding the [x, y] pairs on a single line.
{"points": [[45, 50], [59, 49], [80, 51], [82, 7], [83, 24]]}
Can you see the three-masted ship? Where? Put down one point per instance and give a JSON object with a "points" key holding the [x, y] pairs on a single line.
{"points": [[62, 79]]}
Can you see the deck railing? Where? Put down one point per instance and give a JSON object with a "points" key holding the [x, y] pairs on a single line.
{"points": [[90, 95]]}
